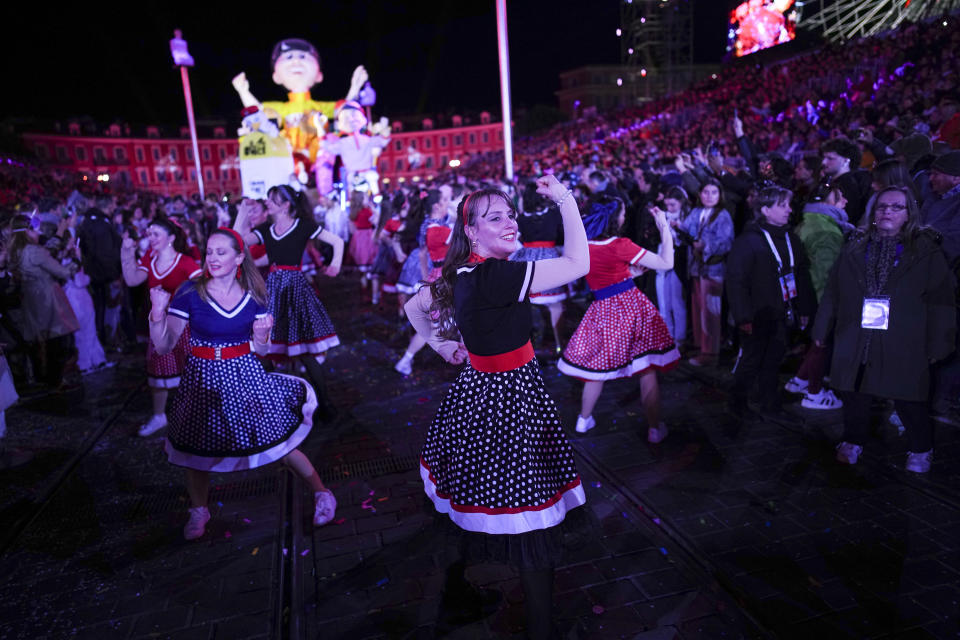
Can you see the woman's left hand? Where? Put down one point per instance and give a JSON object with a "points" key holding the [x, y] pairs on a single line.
{"points": [[261, 329], [332, 270]]}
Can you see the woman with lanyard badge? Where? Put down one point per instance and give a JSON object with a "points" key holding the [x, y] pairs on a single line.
{"points": [[302, 326], [165, 265], [770, 291], [890, 303], [622, 334], [497, 416]]}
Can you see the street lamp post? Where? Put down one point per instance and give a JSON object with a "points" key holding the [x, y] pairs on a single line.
{"points": [[502, 46], [183, 59]]}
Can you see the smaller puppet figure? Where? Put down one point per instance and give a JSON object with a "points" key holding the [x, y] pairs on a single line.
{"points": [[358, 150], [265, 158]]}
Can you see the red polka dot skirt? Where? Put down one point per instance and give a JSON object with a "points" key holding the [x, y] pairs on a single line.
{"points": [[163, 371], [619, 337]]}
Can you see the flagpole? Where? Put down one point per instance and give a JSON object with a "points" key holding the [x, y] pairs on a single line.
{"points": [[503, 48]]}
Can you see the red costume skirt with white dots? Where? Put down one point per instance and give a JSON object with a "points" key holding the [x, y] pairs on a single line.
{"points": [[163, 371], [619, 337]]}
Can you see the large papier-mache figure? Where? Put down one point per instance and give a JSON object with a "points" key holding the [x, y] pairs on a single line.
{"points": [[358, 150], [296, 67]]}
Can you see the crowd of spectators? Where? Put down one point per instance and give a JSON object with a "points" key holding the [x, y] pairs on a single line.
{"points": [[829, 128]]}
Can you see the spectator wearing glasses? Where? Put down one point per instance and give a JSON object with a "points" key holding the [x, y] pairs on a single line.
{"points": [[890, 304]]}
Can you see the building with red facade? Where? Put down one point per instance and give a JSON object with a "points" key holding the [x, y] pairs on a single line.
{"points": [[165, 164]]}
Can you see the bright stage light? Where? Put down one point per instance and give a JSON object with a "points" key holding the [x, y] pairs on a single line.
{"points": [[454, 164]]}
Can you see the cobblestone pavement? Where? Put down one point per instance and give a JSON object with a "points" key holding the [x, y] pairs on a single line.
{"points": [[721, 531]]}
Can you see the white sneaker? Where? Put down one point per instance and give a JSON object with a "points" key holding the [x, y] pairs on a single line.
{"points": [[199, 517], [404, 366], [585, 424], [919, 462], [796, 385], [848, 453], [155, 423], [823, 400], [657, 434], [324, 507]]}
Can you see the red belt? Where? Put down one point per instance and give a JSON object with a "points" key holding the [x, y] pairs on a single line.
{"points": [[503, 361], [540, 244], [221, 353], [285, 267]]}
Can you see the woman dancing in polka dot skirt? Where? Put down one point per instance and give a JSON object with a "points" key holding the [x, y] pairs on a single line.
{"points": [[496, 459], [165, 265], [229, 414], [621, 334], [303, 328]]}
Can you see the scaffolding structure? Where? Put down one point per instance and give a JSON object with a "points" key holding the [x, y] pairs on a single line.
{"points": [[656, 44], [842, 20]]}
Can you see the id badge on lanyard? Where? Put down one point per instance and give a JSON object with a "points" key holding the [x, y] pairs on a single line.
{"points": [[788, 286], [875, 313], [788, 282]]}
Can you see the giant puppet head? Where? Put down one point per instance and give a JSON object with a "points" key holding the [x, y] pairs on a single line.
{"points": [[296, 65], [350, 116]]}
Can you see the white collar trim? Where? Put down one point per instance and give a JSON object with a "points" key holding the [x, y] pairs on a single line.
{"points": [[283, 235], [237, 309]]}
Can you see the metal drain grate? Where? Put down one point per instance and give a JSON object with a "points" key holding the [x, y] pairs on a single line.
{"points": [[370, 468]]}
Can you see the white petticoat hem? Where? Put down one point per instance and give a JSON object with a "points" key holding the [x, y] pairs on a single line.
{"points": [[516, 520], [644, 362], [241, 463]]}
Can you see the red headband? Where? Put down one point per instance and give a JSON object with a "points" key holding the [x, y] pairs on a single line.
{"points": [[236, 236], [466, 216]]}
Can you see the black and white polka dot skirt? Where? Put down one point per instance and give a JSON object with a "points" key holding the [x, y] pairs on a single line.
{"points": [[301, 324], [230, 415], [496, 459]]}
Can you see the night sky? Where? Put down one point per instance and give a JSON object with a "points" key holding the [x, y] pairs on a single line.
{"points": [[113, 62]]}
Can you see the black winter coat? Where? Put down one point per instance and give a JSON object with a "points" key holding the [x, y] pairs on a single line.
{"points": [[922, 320], [753, 282]]}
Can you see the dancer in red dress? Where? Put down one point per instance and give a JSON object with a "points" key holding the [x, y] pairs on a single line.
{"points": [[164, 265], [622, 333]]}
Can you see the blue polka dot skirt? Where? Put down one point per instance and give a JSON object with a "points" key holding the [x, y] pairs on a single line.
{"points": [[230, 415], [619, 337], [496, 459], [532, 254], [300, 321], [410, 278]]}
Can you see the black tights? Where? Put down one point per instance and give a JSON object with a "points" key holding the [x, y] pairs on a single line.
{"points": [[537, 594], [315, 373], [538, 601]]}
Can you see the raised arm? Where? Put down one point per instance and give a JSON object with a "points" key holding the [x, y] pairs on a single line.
{"points": [[128, 263], [337, 243], [575, 261], [663, 260], [242, 85], [164, 329], [242, 224]]}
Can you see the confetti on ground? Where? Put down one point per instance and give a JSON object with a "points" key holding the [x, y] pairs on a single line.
{"points": [[372, 493], [383, 499], [304, 552], [227, 534], [284, 551], [656, 521], [597, 485], [383, 582], [663, 550], [597, 609], [255, 551], [246, 521], [340, 521]]}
